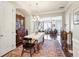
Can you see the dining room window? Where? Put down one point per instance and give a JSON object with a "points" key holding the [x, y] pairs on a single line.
{"points": [[46, 23]]}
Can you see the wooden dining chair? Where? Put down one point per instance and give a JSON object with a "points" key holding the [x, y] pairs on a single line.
{"points": [[28, 46]]}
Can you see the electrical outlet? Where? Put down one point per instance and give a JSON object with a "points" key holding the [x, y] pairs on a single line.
{"points": [[12, 45]]}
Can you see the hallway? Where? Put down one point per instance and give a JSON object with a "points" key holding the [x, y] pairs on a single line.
{"points": [[50, 48]]}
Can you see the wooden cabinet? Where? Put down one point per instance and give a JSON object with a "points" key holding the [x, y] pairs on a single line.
{"points": [[20, 28], [64, 41]]}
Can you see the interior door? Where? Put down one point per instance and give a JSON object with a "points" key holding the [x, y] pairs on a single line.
{"points": [[7, 32]]}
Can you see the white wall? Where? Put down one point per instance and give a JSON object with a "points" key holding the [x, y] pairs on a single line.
{"points": [[72, 27], [7, 27], [28, 22]]}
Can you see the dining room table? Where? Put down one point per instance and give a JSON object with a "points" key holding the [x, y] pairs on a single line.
{"points": [[39, 36]]}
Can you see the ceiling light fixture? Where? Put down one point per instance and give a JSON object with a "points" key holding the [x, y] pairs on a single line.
{"points": [[36, 3], [61, 7]]}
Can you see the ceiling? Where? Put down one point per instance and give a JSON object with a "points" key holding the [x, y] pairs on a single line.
{"points": [[37, 7]]}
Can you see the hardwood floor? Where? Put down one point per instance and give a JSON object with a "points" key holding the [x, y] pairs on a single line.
{"points": [[50, 48]]}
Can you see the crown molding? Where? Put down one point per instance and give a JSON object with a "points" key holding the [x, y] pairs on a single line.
{"points": [[50, 12]]}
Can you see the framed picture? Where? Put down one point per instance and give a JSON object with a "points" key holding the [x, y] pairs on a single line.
{"points": [[76, 16]]}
